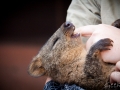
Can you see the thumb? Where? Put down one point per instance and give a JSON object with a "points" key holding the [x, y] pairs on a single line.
{"points": [[86, 30]]}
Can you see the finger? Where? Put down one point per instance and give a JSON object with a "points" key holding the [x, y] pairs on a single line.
{"points": [[86, 30], [115, 77], [48, 79], [118, 66]]}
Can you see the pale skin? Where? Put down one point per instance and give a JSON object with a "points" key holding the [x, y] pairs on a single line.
{"points": [[97, 32]]}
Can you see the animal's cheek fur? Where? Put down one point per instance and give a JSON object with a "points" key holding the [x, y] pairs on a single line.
{"points": [[70, 56]]}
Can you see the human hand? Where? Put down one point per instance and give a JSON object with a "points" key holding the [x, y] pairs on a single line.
{"points": [[48, 79], [115, 76], [97, 32]]}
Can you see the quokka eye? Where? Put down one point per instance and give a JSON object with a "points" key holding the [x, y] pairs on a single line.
{"points": [[55, 41]]}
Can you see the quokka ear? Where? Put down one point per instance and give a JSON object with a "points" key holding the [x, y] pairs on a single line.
{"points": [[35, 68]]}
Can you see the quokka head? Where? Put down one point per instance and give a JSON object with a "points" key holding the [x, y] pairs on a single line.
{"points": [[61, 48]]}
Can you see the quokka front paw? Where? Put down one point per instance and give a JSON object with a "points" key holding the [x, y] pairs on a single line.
{"points": [[104, 44], [116, 23]]}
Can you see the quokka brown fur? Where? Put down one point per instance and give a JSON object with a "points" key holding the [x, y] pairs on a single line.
{"points": [[64, 58]]}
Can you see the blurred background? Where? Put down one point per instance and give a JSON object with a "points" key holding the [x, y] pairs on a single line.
{"points": [[24, 27]]}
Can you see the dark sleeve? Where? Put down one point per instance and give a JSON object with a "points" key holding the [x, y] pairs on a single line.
{"points": [[51, 85]]}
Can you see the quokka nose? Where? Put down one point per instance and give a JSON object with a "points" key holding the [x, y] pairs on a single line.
{"points": [[68, 24]]}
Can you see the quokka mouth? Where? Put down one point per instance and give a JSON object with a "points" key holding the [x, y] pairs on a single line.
{"points": [[70, 28], [75, 35]]}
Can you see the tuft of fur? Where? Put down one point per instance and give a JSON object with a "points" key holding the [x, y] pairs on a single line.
{"points": [[64, 58]]}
